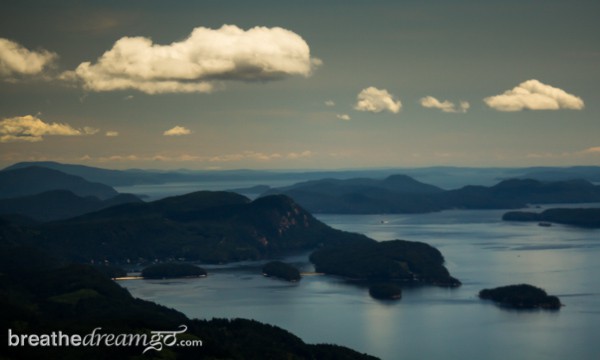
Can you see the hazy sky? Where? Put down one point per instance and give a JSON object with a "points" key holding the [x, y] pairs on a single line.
{"points": [[300, 84]]}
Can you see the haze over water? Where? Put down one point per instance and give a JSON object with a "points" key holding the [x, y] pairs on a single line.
{"points": [[429, 322]]}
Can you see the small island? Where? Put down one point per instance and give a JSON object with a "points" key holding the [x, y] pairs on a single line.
{"points": [[523, 296], [385, 291], [282, 271], [172, 270]]}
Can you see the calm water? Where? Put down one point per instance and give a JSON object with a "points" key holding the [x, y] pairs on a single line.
{"points": [[429, 322]]}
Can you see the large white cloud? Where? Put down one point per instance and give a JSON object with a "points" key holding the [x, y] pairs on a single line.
{"points": [[17, 60], [31, 128], [196, 63], [177, 131], [445, 106], [376, 100], [534, 95]]}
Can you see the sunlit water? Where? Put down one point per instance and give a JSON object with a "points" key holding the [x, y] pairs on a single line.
{"points": [[428, 322]]}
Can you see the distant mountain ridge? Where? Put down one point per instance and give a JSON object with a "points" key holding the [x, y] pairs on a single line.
{"points": [[447, 177], [34, 180], [394, 194], [59, 204], [368, 196]]}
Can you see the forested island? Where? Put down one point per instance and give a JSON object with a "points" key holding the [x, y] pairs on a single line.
{"points": [[282, 271], [523, 296], [172, 270], [583, 217], [407, 262], [388, 291]]}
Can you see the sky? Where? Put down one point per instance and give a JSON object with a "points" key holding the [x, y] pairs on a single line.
{"points": [[300, 84]]}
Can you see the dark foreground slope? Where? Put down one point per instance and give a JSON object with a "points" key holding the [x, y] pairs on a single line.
{"points": [[39, 296]]}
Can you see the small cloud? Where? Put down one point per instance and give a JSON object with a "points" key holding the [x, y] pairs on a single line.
{"points": [[32, 129], [534, 95], [343, 116], [304, 154], [253, 155], [592, 150], [445, 106], [112, 133], [197, 63], [376, 100], [119, 158], [329, 103], [17, 60], [90, 130], [178, 158], [177, 131]]}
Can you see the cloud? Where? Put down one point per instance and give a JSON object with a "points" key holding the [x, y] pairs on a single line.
{"points": [[445, 106], [177, 131], [301, 155], [343, 116], [329, 103], [32, 129], [260, 156], [118, 158], [17, 60], [245, 155], [534, 95], [112, 133], [375, 100], [90, 130], [197, 63], [592, 150]]}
